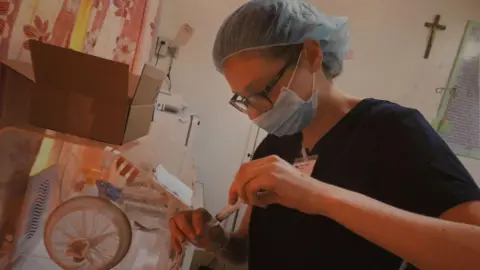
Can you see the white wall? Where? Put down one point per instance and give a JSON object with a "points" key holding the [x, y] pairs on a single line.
{"points": [[223, 132], [389, 40]]}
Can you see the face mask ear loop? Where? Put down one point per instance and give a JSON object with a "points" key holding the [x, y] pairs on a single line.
{"points": [[295, 70]]}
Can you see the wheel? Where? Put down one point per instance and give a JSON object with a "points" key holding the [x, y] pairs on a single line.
{"points": [[87, 233]]}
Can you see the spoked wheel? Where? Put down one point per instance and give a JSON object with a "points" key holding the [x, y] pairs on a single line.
{"points": [[87, 233]]}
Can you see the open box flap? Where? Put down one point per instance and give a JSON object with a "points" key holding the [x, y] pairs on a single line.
{"points": [[148, 85], [143, 103], [138, 123], [79, 94], [132, 86], [61, 69]]}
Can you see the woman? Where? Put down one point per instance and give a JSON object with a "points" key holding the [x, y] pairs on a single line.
{"points": [[375, 187]]}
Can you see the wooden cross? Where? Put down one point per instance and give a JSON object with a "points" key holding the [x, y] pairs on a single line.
{"points": [[433, 28]]}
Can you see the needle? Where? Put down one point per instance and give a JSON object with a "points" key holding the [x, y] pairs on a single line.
{"points": [[226, 211]]}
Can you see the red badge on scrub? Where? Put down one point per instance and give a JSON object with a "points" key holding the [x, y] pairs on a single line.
{"points": [[306, 163], [305, 166]]}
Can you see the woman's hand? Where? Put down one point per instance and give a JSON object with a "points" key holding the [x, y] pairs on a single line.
{"points": [[196, 227], [272, 180]]}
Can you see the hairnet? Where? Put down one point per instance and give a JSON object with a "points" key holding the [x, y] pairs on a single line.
{"points": [[267, 23]]}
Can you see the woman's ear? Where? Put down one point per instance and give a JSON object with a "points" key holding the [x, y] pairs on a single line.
{"points": [[313, 54]]}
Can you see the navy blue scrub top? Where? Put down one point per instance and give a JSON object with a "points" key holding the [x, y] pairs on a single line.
{"points": [[380, 149]]}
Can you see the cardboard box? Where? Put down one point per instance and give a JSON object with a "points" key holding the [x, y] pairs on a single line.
{"points": [[78, 94], [16, 84]]}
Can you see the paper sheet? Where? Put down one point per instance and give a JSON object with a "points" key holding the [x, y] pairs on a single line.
{"points": [[461, 111], [174, 185]]}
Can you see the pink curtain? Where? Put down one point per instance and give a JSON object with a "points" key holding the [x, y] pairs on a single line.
{"points": [[120, 30]]}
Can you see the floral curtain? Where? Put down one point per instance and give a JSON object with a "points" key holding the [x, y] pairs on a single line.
{"points": [[120, 30]]}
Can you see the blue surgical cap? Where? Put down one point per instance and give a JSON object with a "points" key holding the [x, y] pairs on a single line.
{"points": [[266, 23]]}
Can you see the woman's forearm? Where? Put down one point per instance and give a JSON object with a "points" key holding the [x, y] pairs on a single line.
{"points": [[428, 243]]}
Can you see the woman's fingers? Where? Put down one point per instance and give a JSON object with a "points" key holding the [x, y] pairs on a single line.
{"points": [[189, 226], [199, 221], [260, 191], [186, 227], [181, 226], [176, 245], [177, 236], [247, 172], [263, 199], [175, 231]]}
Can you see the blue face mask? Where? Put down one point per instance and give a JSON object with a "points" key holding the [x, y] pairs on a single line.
{"points": [[290, 114]]}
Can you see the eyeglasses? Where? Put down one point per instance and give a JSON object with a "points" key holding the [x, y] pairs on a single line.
{"points": [[259, 101]]}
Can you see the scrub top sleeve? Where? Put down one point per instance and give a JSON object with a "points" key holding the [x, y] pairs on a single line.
{"points": [[438, 189], [435, 179]]}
